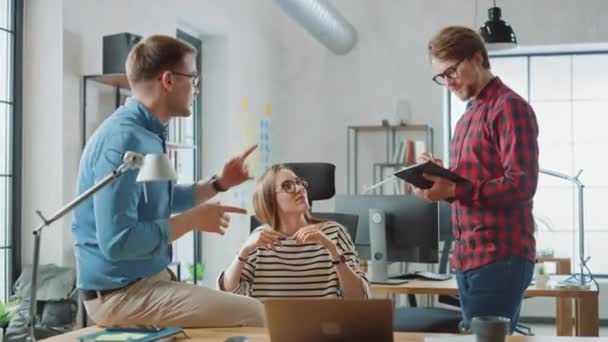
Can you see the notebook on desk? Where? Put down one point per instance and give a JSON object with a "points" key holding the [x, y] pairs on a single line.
{"points": [[324, 320], [132, 335]]}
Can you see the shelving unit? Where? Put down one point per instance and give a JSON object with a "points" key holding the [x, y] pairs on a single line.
{"points": [[352, 141], [118, 81]]}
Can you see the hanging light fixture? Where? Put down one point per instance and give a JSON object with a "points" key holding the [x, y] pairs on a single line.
{"points": [[496, 33]]}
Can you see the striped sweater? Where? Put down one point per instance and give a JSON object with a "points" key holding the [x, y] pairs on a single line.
{"points": [[295, 270]]}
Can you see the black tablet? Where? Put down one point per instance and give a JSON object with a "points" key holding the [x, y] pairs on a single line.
{"points": [[413, 174]]}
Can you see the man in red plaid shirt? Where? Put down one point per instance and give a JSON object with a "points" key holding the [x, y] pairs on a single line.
{"points": [[494, 147]]}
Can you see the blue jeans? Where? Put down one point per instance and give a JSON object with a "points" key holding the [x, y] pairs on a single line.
{"points": [[495, 289]]}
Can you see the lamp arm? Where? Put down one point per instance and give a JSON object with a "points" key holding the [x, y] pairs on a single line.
{"points": [[555, 174], [131, 160]]}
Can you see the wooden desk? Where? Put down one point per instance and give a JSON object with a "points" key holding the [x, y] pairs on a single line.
{"points": [[563, 306], [586, 301], [261, 335]]}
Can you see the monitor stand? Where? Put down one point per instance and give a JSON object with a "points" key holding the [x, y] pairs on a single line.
{"points": [[378, 254]]}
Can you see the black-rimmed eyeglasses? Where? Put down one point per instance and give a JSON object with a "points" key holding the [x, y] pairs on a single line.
{"points": [[194, 77], [291, 186], [449, 73]]}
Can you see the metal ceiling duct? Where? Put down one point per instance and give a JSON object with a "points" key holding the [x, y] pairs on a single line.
{"points": [[323, 21]]}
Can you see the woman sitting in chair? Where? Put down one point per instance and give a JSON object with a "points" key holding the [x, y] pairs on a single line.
{"points": [[293, 255]]}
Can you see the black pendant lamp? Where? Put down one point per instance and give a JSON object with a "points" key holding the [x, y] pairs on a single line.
{"points": [[496, 33]]}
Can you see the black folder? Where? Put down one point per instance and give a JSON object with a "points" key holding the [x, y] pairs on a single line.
{"points": [[413, 174]]}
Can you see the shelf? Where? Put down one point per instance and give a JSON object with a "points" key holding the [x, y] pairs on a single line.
{"points": [[377, 128], [380, 160], [114, 80]]}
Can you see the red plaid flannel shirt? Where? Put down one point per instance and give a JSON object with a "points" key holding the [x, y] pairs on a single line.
{"points": [[495, 147]]}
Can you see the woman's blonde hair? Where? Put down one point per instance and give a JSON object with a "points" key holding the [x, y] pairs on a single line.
{"points": [[265, 201]]}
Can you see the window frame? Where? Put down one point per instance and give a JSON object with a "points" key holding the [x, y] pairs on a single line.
{"points": [[11, 269]]}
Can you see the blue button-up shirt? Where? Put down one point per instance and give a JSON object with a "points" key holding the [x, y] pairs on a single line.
{"points": [[120, 237]]}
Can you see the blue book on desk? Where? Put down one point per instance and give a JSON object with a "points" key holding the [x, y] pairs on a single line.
{"points": [[132, 335]]}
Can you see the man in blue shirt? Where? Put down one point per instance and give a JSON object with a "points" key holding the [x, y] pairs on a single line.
{"points": [[123, 236]]}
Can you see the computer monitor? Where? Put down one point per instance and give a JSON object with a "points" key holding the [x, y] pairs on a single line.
{"points": [[412, 233], [393, 228]]}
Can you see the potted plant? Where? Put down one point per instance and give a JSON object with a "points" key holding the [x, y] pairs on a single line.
{"points": [[542, 278], [200, 272], [7, 312]]}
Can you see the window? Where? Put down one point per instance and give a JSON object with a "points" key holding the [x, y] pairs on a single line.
{"points": [[9, 133], [568, 93]]}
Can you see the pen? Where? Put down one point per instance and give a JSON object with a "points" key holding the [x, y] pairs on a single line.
{"points": [[389, 179]]}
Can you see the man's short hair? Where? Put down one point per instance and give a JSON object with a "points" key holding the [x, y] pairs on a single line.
{"points": [[458, 43], [154, 55]]}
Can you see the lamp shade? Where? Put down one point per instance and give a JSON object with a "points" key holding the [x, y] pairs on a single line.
{"points": [[155, 167], [496, 33]]}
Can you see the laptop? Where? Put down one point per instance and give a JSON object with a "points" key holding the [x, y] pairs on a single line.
{"points": [[324, 320]]}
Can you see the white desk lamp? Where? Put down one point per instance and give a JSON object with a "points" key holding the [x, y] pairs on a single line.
{"points": [[152, 167], [581, 282]]}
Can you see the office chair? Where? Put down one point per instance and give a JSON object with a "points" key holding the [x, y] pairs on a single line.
{"points": [[321, 185], [440, 320]]}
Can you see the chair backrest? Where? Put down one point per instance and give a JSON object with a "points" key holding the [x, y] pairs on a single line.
{"points": [[320, 177], [348, 221], [443, 268]]}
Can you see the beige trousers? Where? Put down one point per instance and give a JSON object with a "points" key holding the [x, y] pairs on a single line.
{"points": [[159, 301]]}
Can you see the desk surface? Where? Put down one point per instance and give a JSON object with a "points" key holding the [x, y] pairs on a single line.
{"points": [[261, 335], [449, 287]]}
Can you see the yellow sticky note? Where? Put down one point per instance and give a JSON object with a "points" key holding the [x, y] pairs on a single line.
{"points": [[268, 109], [244, 103]]}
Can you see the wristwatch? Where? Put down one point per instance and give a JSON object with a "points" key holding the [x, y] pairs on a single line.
{"points": [[341, 260], [216, 184]]}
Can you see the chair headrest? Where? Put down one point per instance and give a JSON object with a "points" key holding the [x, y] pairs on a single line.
{"points": [[320, 177]]}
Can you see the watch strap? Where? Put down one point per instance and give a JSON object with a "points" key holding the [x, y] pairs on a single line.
{"points": [[216, 184]]}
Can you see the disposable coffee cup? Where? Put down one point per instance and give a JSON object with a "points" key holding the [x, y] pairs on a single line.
{"points": [[490, 328]]}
